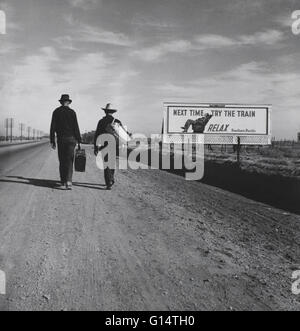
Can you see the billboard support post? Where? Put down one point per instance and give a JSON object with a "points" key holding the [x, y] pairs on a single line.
{"points": [[239, 151]]}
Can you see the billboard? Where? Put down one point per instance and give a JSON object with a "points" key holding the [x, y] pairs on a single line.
{"points": [[219, 120]]}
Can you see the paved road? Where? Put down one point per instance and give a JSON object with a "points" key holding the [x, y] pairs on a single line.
{"points": [[156, 242], [17, 142]]}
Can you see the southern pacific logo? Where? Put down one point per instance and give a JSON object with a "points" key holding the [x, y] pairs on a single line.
{"points": [[2, 22]]}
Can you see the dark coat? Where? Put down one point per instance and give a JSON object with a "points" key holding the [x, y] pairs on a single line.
{"points": [[64, 124]]}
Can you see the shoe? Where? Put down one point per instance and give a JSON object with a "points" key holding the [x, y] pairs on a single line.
{"points": [[109, 188], [62, 186], [69, 186]]}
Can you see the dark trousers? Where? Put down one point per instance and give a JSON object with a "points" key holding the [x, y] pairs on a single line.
{"points": [[66, 147], [109, 175]]}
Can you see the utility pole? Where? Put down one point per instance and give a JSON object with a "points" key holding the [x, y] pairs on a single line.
{"points": [[6, 128], [22, 129], [11, 120], [29, 131]]}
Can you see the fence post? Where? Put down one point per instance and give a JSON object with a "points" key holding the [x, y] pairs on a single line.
{"points": [[239, 151]]}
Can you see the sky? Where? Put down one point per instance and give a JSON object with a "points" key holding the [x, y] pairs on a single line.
{"points": [[138, 54]]}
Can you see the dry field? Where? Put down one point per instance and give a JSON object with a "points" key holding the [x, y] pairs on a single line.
{"points": [[282, 158]]}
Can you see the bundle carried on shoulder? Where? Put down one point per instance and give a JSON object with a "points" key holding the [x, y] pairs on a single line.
{"points": [[118, 131]]}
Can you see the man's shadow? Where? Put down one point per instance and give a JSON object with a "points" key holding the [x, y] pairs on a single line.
{"points": [[47, 183]]}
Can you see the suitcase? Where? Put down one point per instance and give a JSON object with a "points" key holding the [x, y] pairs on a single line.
{"points": [[80, 160]]}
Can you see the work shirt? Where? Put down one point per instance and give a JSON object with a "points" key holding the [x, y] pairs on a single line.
{"points": [[102, 127], [64, 124]]}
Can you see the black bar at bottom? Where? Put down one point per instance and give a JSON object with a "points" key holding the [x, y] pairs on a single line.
{"points": [[153, 320]]}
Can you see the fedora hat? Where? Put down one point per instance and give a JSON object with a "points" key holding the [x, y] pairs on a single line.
{"points": [[64, 98], [108, 109]]}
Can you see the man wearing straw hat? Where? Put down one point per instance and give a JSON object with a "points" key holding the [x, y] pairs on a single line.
{"points": [[105, 127], [65, 125]]}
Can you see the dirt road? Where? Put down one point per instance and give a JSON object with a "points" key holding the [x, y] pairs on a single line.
{"points": [[156, 242]]}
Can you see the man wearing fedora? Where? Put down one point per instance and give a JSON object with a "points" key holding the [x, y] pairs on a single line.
{"points": [[65, 126], [104, 128]]}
